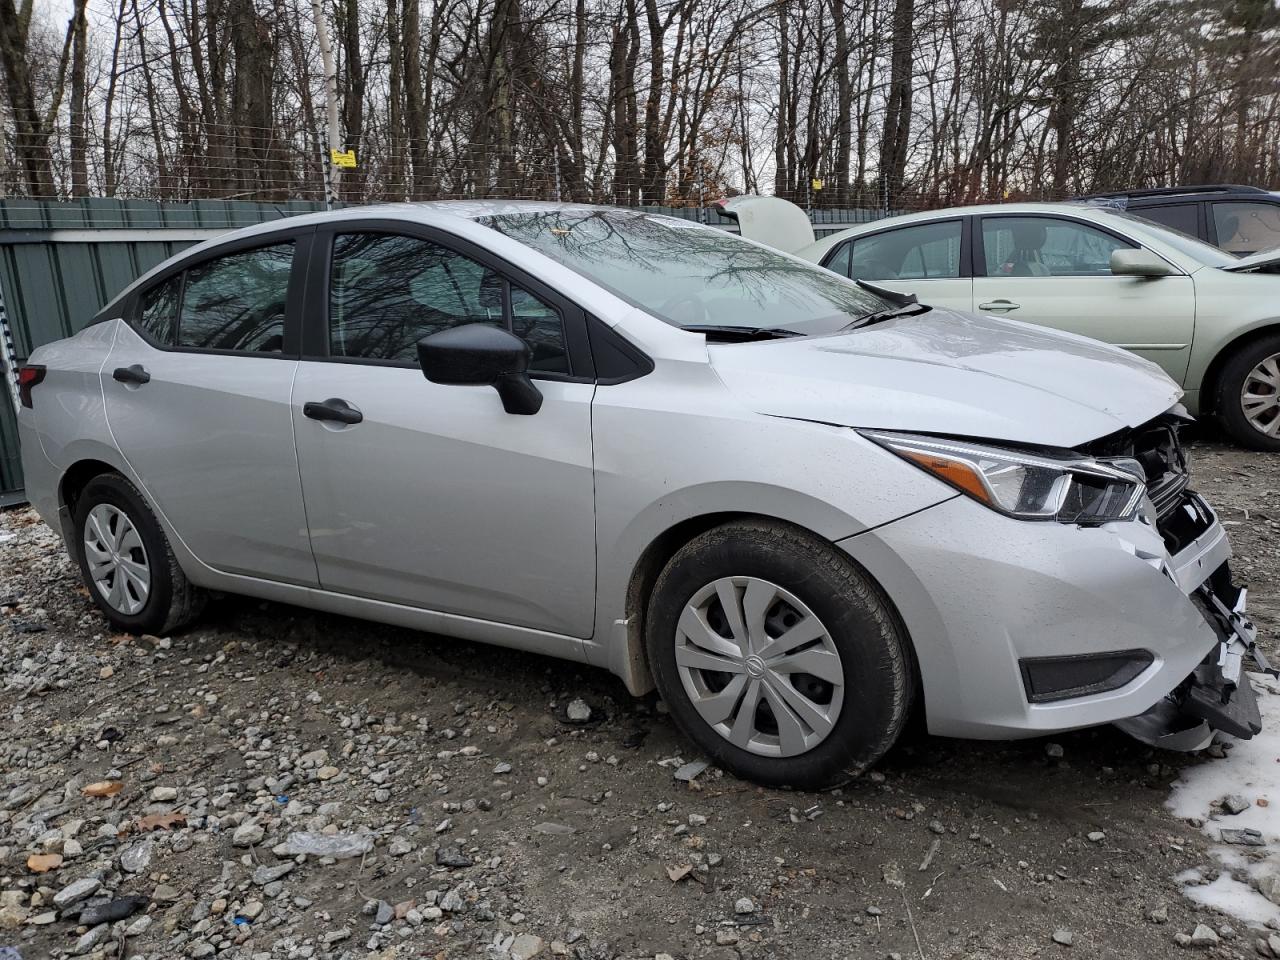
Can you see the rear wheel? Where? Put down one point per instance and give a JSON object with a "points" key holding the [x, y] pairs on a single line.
{"points": [[1249, 395], [126, 562], [778, 655]]}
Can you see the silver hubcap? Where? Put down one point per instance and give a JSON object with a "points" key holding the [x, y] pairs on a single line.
{"points": [[117, 560], [1260, 396], [759, 667]]}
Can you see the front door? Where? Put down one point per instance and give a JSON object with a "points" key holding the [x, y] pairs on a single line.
{"points": [[434, 496], [1056, 271], [197, 389]]}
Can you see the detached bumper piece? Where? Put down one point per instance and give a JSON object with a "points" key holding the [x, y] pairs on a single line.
{"points": [[1217, 696]]}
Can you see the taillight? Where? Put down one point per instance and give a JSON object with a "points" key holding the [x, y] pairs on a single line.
{"points": [[28, 377]]}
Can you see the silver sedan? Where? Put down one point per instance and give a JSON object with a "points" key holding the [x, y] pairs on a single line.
{"points": [[798, 505]]}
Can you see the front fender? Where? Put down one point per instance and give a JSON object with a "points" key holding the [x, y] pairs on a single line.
{"points": [[675, 447]]}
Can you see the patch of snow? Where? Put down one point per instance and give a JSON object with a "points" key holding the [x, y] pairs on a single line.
{"points": [[1228, 895], [1250, 769]]}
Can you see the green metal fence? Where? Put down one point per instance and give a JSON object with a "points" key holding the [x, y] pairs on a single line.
{"points": [[61, 261]]}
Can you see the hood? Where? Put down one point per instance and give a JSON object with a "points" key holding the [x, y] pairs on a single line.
{"points": [[1267, 258], [951, 373]]}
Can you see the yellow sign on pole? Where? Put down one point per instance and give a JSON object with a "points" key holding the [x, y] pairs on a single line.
{"points": [[343, 158], [817, 184]]}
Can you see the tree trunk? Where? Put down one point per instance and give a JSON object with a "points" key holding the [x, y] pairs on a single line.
{"points": [[353, 99], [897, 121], [31, 139], [79, 135]]}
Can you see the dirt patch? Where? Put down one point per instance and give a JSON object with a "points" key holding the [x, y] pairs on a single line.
{"points": [[496, 826]]}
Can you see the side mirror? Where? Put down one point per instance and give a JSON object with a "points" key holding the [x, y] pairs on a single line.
{"points": [[480, 354], [1138, 263]]}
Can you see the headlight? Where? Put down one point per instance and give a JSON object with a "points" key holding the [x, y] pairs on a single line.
{"points": [[1070, 489]]}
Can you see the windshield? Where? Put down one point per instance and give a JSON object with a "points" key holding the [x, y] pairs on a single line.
{"points": [[1184, 243], [688, 274]]}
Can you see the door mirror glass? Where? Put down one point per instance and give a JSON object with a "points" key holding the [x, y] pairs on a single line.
{"points": [[1138, 263], [479, 354]]}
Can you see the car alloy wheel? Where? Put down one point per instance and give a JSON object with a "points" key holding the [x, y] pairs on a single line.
{"points": [[1260, 396], [117, 560], [759, 667]]}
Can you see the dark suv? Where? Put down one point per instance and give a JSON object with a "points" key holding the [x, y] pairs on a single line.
{"points": [[1241, 220]]}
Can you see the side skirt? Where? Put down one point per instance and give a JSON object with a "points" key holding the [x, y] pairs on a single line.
{"points": [[400, 615]]}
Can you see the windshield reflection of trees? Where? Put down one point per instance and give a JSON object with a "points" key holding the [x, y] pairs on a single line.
{"points": [[654, 262]]}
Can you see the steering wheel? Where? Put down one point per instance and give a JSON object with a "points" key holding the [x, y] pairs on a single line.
{"points": [[685, 309]]}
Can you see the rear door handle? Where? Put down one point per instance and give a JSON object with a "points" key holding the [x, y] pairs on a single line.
{"points": [[334, 409], [999, 306], [136, 373]]}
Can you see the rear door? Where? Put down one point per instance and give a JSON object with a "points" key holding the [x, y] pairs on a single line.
{"points": [[197, 388], [435, 497], [1056, 271], [929, 260]]}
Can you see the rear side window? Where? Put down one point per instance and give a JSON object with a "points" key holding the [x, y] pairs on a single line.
{"points": [[388, 291], [1180, 216], [929, 251], [237, 302], [839, 263], [158, 315]]}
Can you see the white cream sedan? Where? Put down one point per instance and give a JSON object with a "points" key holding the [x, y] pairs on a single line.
{"points": [[1210, 319]]}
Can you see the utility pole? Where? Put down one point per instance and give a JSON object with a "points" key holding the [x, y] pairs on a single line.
{"points": [[332, 133]]}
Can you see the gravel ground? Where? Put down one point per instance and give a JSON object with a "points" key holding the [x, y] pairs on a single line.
{"points": [[188, 773]]}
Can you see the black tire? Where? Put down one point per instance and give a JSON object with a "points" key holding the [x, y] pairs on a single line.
{"points": [[876, 664], [1231, 384], [172, 601]]}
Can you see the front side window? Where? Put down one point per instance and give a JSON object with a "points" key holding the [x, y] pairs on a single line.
{"points": [[158, 315], [930, 251], [388, 291], [1046, 247], [237, 302], [1245, 228]]}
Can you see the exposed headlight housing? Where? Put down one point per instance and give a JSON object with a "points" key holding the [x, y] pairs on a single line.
{"points": [[1029, 486]]}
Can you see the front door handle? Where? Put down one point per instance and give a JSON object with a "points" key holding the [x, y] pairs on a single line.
{"points": [[334, 409], [135, 373], [999, 306]]}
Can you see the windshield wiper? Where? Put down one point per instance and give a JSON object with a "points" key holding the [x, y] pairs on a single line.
{"points": [[907, 310], [903, 305], [730, 332]]}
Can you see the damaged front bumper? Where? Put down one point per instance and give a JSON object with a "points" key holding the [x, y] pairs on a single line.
{"points": [[1216, 696]]}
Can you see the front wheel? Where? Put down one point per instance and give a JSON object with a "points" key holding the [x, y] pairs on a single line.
{"points": [[778, 656], [1249, 396], [126, 562]]}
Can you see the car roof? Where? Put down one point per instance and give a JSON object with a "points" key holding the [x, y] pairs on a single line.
{"points": [[457, 217], [1152, 195], [1099, 212], [432, 212], [991, 209]]}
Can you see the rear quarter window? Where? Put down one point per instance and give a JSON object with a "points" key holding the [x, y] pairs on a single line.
{"points": [[158, 310]]}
